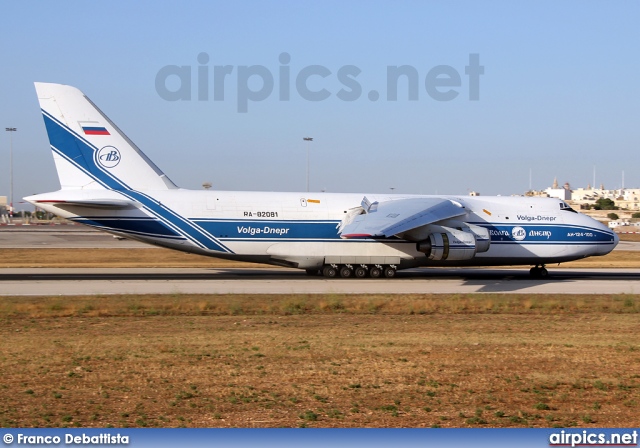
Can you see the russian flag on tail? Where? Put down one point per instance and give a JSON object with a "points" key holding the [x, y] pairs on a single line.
{"points": [[93, 128]]}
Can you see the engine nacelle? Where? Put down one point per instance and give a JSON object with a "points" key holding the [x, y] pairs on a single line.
{"points": [[450, 244], [483, 239]]}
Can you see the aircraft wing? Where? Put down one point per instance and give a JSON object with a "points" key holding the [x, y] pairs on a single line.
{"points": [[388, 218]]}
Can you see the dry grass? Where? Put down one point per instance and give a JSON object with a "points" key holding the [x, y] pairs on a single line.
{"points": [[149, 305], [330, 361], [635, 237], [109, 258], [618, 259]]}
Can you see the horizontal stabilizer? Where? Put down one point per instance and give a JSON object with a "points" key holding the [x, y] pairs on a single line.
{"points": [[92, 203]]}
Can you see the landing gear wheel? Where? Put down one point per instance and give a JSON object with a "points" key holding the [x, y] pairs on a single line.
{"points": [[360, 272], [329, 271], [375, 272], [389, 272], [346, 272], [539, 272]]}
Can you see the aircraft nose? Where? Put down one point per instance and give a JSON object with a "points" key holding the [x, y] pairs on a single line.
{"points": [[605, 249], [607, 239]]}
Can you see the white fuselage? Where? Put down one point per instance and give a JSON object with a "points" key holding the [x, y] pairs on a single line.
{"points": [[301, 229]]}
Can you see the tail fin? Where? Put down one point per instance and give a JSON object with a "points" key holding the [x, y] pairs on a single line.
{"points": [[89, 150]]}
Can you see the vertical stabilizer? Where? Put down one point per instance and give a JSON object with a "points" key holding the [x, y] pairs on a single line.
{"points": [[89, 150]]}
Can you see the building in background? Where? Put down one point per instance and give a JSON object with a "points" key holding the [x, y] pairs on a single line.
{"points": [[625, 198], [554, 191], [4, 212], [563, 193]]}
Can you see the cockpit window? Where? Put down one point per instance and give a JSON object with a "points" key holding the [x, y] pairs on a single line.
{"points": [[567, 207]]}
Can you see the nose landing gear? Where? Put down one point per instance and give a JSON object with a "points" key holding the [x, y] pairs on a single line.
{"points": [[539, 271]]}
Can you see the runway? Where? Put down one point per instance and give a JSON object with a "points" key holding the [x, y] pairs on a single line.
{"points": [[29, 282], [61, 237]]}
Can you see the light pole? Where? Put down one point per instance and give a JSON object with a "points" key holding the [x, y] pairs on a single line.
{"points": [[11, 131], [308, 140]]}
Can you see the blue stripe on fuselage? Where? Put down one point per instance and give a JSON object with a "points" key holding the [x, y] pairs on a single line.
{"points": [[185, 227], [315, 231], [139, 225], [547, 234], [268, 230]]}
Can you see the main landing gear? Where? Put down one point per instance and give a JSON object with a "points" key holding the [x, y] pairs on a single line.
{"points": [[539, 271], [358, 271]]}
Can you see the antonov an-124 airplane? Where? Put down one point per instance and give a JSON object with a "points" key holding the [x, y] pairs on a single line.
{"points": [[108, 183]]}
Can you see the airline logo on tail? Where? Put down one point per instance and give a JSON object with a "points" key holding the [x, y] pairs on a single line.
{"points": [[108, 156], [93, 128]]}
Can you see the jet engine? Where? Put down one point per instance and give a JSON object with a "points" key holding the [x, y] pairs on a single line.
{"points": [[447, 243]]}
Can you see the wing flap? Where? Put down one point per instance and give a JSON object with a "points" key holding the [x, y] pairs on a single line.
{"points": [[389, 218]]}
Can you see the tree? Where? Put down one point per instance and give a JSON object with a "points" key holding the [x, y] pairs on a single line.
{"points": [[636, 215], [612, 216], [605, 204]]}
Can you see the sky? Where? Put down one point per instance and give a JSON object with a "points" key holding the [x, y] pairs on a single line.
{"points": [[503, 95]]}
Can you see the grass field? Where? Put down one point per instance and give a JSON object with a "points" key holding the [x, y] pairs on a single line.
{"points": [[320, 361]]}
